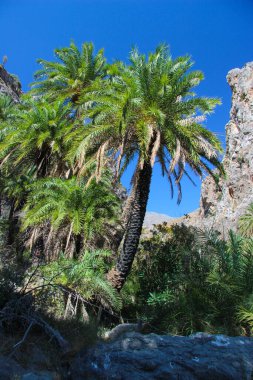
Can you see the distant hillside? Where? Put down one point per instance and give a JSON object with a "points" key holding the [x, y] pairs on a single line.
{"points": [[155, 218], [152, 218]]}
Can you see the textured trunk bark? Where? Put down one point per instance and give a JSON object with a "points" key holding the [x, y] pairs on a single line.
{"points": [[124, 221], [79, 245], [117, 276]]}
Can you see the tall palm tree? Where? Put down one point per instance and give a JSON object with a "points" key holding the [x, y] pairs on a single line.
{"points": [[148, 110], [74, 71]]}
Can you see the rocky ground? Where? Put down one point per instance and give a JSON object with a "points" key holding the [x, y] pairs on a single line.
{"points": [[133, 356]]}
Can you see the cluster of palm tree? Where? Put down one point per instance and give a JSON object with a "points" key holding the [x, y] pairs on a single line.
{"points": [[84, 117]]}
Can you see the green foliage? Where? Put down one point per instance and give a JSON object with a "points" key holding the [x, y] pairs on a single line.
{"points": [[6, 108], [38, 138], [190, 281], [245, 313], [75, 70], [246, 222], [80, 116], [71, 203], [35, 170], [148, 109], [86, 277]]}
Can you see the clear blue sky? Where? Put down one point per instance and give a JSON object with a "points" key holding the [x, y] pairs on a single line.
{"points": [[218, 34]]}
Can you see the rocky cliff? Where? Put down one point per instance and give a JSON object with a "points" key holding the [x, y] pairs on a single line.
{"points": [[9, 84], [220, 208]]}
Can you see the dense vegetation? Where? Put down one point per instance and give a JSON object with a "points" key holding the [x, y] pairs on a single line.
{"points": [[187, 280], [69, 237]]}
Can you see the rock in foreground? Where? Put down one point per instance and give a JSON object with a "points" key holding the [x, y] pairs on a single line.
{"points": [[135, 356]]}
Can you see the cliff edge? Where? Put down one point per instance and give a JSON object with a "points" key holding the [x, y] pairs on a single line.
{"points": [[9, 84], [221, 208]]}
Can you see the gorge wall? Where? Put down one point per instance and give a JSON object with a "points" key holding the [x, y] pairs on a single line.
{"points": [[221, 206], [9, 84]]}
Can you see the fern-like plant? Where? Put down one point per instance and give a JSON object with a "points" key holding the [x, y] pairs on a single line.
{"points": [[84, 278], [246, 222]]}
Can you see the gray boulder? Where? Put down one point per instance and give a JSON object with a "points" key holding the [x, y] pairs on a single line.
{"points": [[134, 356]]}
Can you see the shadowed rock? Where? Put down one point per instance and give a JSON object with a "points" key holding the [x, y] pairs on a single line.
{"points": [[135, 356]]}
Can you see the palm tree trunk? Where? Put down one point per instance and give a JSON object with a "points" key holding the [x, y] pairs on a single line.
{"points": [[78, 245], [117, 276], [12, 221], [127, 210]]}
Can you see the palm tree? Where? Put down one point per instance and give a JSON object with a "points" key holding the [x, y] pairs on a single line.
{"points": [[80, 210], [6, 114], [148, 110], [38, 138], [74, 71], [33, 144]]}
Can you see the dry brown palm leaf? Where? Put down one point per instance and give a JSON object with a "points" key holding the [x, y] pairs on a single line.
{"points": [[100, 159], [155, 148], [176, 156], [207, 147], [190, 120]]}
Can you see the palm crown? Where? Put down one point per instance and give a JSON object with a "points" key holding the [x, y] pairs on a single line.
{"points": [[37, 137], [149, 109], [74, 71]]}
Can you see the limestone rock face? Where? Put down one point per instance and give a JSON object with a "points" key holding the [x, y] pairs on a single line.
{"points": [[9, 85], [220, 208]]}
